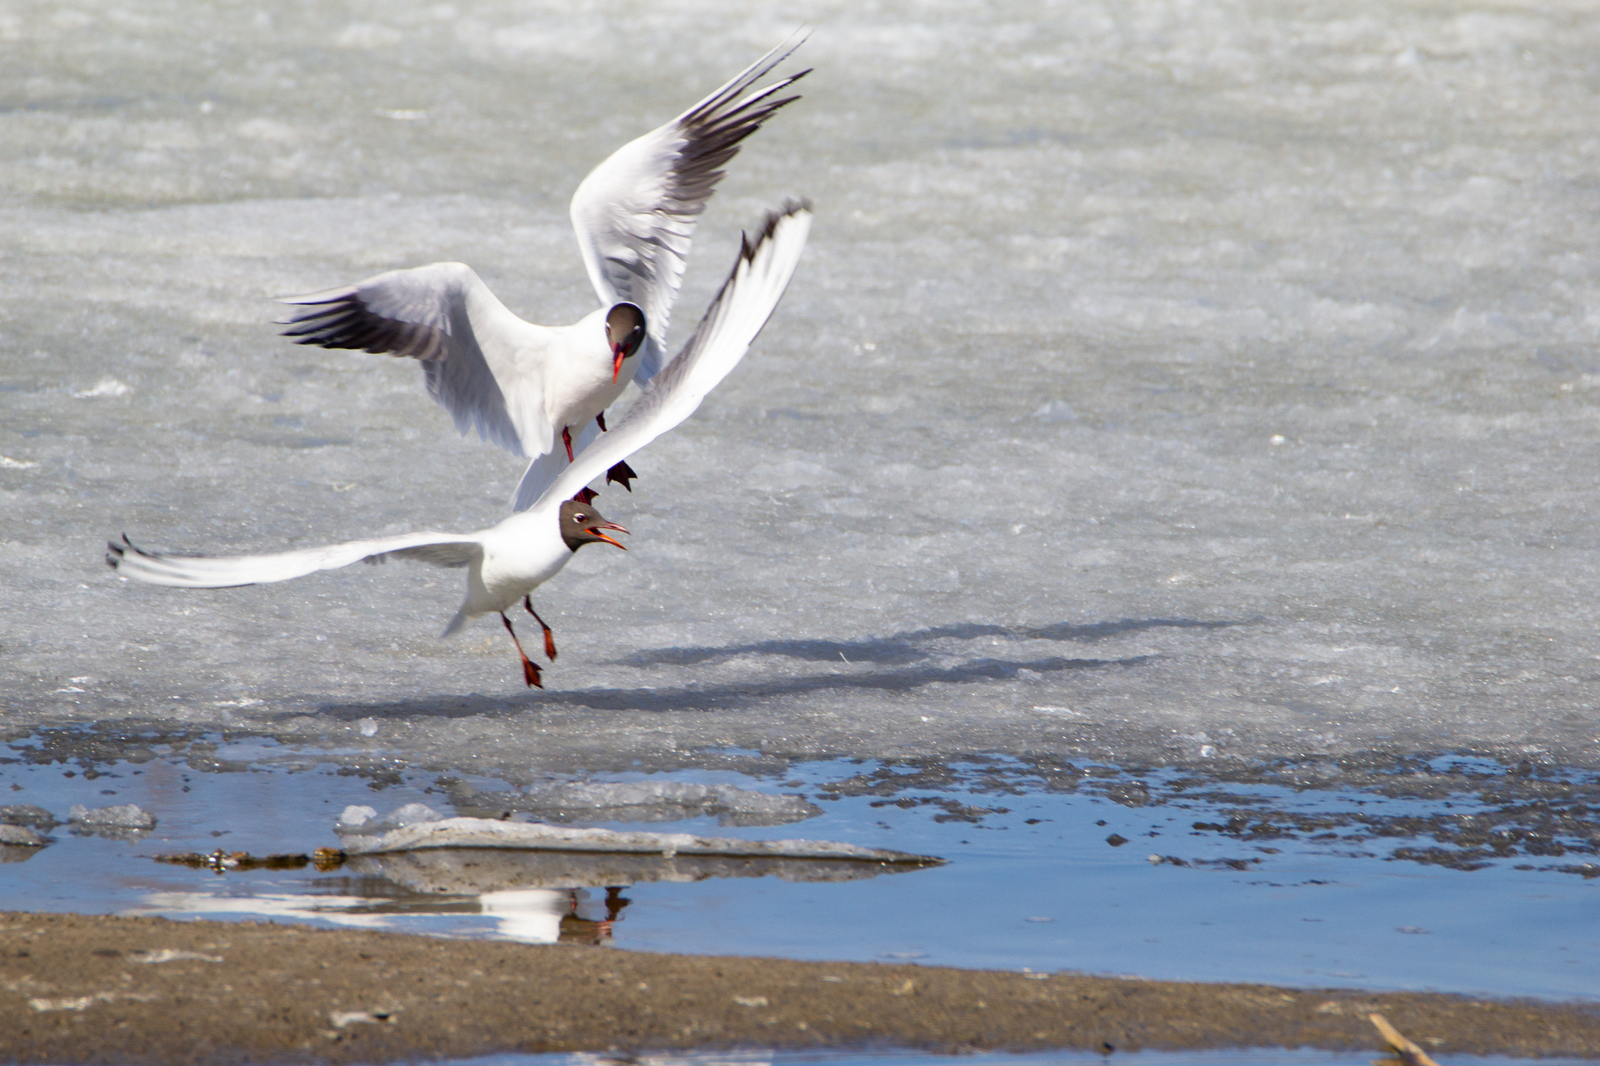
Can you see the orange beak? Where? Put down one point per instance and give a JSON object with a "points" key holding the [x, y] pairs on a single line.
{"points": [[608, 525], [616, 365]]}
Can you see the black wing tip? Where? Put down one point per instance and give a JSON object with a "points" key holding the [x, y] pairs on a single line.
{"points": [[791, 207], [116, 551]]}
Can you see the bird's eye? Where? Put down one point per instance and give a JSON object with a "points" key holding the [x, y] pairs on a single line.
{"points": [[579, 517]]}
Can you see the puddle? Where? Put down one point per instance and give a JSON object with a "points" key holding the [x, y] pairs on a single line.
{"points": [[1452, 874]]}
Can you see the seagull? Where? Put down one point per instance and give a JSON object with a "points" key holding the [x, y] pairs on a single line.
{"points": [[506, 562], [531, 389]]}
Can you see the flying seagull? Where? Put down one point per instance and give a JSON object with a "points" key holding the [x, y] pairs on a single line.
{"points": [[533, 389], [506, 562]]}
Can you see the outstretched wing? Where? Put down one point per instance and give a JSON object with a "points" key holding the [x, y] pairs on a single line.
{"points": [[444, 316], [635, 213], [546, 468], [741, 308], [199, 572]]}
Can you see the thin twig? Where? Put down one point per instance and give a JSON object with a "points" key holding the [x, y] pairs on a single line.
{"points": [[1405, 1051]]}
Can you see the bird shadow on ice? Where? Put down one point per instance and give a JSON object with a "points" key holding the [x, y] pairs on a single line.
{"points": [[910, 670], [910, 646]]}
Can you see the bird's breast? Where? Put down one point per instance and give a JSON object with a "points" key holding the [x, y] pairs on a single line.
{"points": [[581, 383], [518, 559]]}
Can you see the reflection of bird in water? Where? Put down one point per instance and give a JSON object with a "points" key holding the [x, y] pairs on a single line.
{"points": [[576, 929]]}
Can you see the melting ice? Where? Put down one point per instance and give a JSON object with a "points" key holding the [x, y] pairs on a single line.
{"points": [[1164, 383]]}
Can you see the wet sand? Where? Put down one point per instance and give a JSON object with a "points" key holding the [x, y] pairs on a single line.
{"points": [[82, 989]]}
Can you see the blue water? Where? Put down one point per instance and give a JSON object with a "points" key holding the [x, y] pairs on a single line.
{"points": [[1030, 882]]}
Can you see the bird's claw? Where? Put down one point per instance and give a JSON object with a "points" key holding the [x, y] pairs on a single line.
{"points": [[622, 473]]}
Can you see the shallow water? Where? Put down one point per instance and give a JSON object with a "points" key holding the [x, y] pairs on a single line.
{"points": [[1180, 389], [1159, 874]]}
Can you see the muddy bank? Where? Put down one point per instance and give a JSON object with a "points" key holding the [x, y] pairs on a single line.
{"points": [[76, 989]]}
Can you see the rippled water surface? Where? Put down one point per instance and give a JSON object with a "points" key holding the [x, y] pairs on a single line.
{"points": [[1184, 415], [1453, 876]]}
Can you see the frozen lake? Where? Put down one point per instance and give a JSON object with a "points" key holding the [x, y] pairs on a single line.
{"points": [[1207, 391]]}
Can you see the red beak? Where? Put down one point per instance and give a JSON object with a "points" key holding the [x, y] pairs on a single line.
{"points": [[616, 367]]}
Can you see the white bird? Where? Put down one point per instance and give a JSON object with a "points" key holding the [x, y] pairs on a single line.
{"points": [[506, 562], [533, 389]]}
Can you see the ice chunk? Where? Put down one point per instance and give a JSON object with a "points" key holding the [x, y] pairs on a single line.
{"points": [[110, 821], [353, 818], [474, 870], [1055, 411], [27, 814], [410, 814], [107, 386], [22, 836], [534, 836], [638, 801]]}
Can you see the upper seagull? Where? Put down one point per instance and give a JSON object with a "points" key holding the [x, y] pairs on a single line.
{"points": [[508, 561], [533, 389]]}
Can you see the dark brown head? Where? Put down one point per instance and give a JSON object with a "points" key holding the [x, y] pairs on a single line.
{"points": [[581, 524], [624, 333]]}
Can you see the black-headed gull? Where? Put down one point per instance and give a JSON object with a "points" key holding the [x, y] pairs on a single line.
{"points": [[533, 389], [506, 562]]}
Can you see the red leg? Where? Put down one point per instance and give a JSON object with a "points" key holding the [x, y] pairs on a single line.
{"points": [[549, 635], [530, 672], [566, 438]]}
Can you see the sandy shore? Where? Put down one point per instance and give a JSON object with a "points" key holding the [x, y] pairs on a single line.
{"points": [[77, 989]]}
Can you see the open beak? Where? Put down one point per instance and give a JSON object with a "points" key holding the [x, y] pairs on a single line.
{"points": [[595, 529], [616, 365]]}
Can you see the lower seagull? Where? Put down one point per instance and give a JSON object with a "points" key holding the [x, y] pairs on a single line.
{"points": [[506, 562]]}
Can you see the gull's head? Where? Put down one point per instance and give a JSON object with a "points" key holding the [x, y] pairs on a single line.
{"points": [[581, 524], [624, 334]]}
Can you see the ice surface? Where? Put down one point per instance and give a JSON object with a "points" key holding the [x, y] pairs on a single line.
{"points": [[124, 818], [21, 836], [1315, 280], [364, 820], [534, 836], [477, 870], [636, 801], [355, 819], [27, 814]]}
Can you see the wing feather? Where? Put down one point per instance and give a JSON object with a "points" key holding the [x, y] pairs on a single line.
{"points": [[743, 305], [202, 572], [636, 212], [444, 316]]}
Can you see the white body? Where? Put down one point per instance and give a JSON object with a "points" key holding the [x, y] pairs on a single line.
{"points": [[517, 556], [519, 385], [508, 561]]}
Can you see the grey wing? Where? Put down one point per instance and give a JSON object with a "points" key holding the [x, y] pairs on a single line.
{"points": [[444, 316], [635, 213], [201, 572], [743, 305]]}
